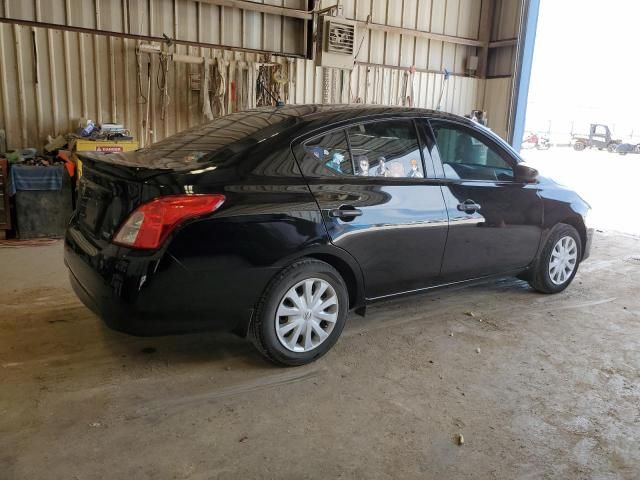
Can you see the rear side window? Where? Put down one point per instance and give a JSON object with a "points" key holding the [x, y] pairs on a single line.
{"points": [[224, 135], [386, 149], [377, 149], [328, 155], [467, 156]]}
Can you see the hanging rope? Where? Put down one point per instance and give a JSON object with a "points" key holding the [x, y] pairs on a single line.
{"points": [[161, 82], [204, 91], [219, 86], [141, 98], [266, 87]]}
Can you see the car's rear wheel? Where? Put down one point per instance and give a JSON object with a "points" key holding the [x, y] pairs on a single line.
{"points": [[301, 313], [558, 262], [612, 147], [579, 146]]}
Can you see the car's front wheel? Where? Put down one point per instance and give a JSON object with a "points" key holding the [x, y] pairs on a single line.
{"points": [[558, 262], [301, 313]]}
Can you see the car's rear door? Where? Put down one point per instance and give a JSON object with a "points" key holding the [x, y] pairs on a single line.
{"points": [[495, 221], [380, 201]]}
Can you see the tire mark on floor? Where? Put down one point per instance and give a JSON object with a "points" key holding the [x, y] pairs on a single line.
{"points": [[581, 304], [270, 381]]}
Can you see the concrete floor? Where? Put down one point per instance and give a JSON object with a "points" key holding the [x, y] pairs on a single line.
{"points": [[552, 392]]}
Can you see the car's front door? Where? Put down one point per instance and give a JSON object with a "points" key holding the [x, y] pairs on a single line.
{"points": [[379, 201], [495, 221]]}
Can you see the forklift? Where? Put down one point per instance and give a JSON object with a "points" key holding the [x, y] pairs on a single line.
{"points": [[599, 137]]}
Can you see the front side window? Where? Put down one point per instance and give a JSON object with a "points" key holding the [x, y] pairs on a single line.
{"points": [[386, 149], [328, 155], [467, 156]]}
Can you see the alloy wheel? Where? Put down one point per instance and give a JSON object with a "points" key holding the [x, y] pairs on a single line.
{"points": [[563, 261], [306, 315]]}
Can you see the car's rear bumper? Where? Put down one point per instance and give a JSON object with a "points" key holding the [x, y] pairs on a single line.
{"points": [[155, 294]]}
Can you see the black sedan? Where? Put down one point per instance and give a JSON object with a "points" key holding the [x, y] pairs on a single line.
{"points": [[277, 222]]}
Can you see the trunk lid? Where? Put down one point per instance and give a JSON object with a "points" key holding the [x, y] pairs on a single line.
{"points": [[107, 193], [114, 184]]}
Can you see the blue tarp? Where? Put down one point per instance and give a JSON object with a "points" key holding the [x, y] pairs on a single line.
{"points": [[27, 177]]}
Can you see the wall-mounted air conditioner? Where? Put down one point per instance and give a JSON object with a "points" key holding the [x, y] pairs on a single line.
{"points": [[336, 42]]}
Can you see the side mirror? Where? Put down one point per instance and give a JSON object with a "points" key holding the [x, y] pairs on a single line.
{"points": [[525, 173]]}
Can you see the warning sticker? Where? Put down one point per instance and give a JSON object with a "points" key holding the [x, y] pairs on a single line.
{"points": [[108, 148]]}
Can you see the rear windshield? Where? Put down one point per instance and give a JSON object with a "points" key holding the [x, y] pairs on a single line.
{"points": [[198, 145]]}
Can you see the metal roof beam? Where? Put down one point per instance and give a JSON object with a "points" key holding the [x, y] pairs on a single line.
{"points": [[144, 38], [421, 34], [262, 8], [487, 13], [306, 15]]}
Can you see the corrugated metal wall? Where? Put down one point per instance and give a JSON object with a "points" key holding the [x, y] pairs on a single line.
{"points": [[506, 24], [501, 65], [182, 19], [51, 78], [459, 18]]}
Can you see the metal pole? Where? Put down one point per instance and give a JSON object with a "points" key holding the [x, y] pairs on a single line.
{"points": [[522, 77]]}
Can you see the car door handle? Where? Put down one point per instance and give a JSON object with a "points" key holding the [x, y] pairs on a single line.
{"points": [[345, 211], [469, 206]]}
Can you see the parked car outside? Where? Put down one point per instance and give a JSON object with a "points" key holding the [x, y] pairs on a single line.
{"points": [[278, 222], [599, 137], [533, 140], [625, 148]]}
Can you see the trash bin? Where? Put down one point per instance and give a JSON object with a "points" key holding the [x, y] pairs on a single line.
{"points": [[43, 199]]}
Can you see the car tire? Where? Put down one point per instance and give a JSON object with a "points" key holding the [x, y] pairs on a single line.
{"points": [[287, 293], [562, 249], [579, 146]]}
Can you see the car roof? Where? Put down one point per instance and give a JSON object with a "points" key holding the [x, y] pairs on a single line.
{"points": [[330, 112], [240, 130]]}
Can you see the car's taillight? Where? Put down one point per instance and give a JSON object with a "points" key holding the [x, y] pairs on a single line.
{"points": [[151, 223]]}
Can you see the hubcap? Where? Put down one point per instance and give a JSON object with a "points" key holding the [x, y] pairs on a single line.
{"points": [[564, 257], [307, 314]]}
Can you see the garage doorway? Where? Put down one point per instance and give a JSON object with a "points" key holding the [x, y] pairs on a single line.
{"points": [[583, 116]]}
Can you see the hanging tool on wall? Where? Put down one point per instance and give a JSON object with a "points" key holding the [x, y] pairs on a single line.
{"points": [[149, 49], [444, 84], [280, 81], [407, 87], [204, 91], [161, 81], [140, 97], [219, 86], [266, 87], [161, 77], [263, 96]]}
